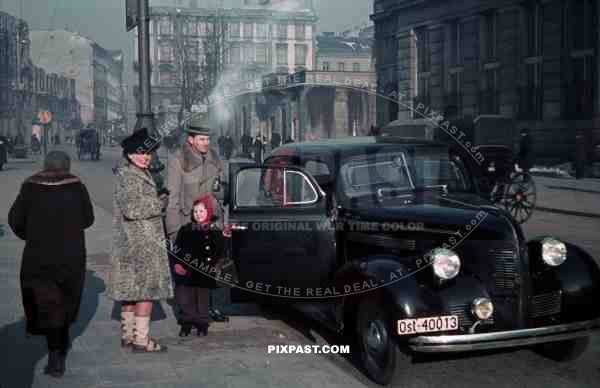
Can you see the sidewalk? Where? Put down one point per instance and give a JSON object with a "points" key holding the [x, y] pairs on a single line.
{"points": [[234, 354], [568, 196]]}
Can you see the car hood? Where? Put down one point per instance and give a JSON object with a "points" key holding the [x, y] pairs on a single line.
{"points": [[442, 214]]}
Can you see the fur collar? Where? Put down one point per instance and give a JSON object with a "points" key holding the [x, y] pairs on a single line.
{"points": [[192, 160], [53, 178]]}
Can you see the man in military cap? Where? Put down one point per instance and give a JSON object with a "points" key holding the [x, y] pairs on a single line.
{"points": [[193, 172]]}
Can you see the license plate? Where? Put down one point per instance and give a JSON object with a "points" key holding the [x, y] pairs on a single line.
{"points": [[427, 325]]}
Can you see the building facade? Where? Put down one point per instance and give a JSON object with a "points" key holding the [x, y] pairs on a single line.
{"points": [[534, 62], [97, 72], [258, 40], [26, 89]]}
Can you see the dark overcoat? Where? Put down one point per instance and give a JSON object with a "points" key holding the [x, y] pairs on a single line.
{"points": [[197, 249], [51, 213]]}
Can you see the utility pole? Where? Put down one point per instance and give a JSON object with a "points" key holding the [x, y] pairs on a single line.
{"points": [[140, 16]]}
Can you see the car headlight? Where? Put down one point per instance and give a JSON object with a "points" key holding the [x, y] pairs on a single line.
{"points": [[482, 308], [554, 252], [446, 263]]}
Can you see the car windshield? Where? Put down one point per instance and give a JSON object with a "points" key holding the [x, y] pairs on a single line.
{"points": [[403, 172]]}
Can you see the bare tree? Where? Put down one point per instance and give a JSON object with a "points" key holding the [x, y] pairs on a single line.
{"points": [[199, 66]]}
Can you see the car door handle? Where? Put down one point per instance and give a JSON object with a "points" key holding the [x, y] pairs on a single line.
{"points": [[239, 227]]}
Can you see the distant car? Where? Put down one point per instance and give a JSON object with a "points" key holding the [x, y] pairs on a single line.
{"points": [[400, 251]]}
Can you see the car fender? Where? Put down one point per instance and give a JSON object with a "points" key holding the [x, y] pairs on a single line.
{"points": [[578, 278], [409, 296]]}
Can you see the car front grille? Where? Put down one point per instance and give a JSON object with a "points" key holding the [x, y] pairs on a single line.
{"points": [[545, 304], [506, 268], [463, 311]]}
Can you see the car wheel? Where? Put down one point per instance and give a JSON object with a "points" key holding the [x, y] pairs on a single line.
{"points": [[563, 351], [379, 352]]}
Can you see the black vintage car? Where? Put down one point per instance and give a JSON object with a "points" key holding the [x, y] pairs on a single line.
{"points": [[391, 242]]}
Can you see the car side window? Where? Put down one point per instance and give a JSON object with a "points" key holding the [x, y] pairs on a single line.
{"points": [[273, 187], [298, 188]]}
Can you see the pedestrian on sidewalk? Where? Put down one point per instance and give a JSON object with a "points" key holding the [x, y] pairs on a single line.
{"points": [[139, 272], [525, 150], [199, 247], [51, 213], [196, 170]]}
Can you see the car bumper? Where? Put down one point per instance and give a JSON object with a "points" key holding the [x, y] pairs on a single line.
{"points": [[502, 339]]}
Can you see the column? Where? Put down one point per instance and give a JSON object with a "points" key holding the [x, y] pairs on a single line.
{"points": [[342, 126]]}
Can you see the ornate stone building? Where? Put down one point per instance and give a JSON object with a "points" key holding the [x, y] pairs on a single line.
{"points": [[260, 40], [531, 61]]}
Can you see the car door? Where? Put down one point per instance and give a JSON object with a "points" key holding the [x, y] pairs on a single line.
{"points": [[282, 241]]}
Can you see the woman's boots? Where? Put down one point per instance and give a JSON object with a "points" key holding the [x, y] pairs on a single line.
{"points": [[56, 363], [127, 328], [142, 343]]}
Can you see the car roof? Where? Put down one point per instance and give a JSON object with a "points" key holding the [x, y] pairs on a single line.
{"points": [[368, 144]]}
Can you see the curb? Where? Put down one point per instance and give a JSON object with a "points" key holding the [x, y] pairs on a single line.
{"points": [[568, 212]]}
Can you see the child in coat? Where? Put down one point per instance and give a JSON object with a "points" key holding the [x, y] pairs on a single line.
{"points": [[199, 245]]}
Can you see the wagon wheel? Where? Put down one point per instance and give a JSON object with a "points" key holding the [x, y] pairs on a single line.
{"points": [[520, 197]]}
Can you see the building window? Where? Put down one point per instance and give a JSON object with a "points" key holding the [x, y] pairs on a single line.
{"points": [[282, 54], [326, 66], [423, 96], [490, 37], [580, 101], [167, 78], [262, 31], [356, 67], [190, 28], [300, 32], [201, 28], [192, 52], [531, 93], [582, 76], [489, 99], [456, 47], [234, 30], [262, 54], [248, 53], [300, 54], [454, 97], [282, 31], [165, 27], [423, 56], [341, 66], [248, 30], [165, 53], [235, 54], [534, 29], [582, 24]]}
